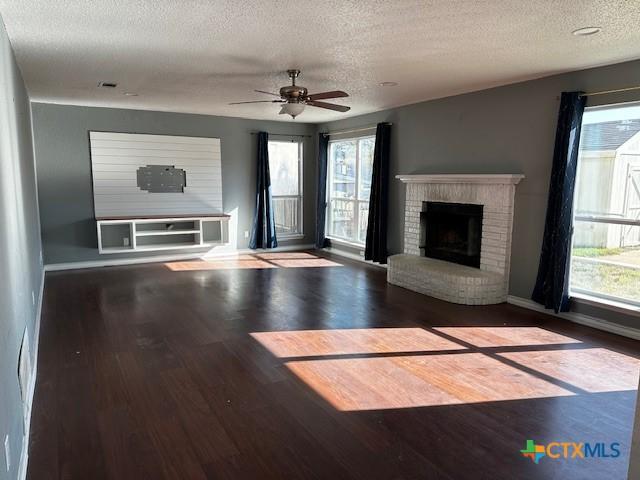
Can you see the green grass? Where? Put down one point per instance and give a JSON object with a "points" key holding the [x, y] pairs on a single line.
{"points": [[609, 279], [596, 252]]}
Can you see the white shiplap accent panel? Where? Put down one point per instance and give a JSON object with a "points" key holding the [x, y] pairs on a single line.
{"points": [[186, 147], [116, 157], [103, 167], [119, 182], [141, 152], [124, 190]]}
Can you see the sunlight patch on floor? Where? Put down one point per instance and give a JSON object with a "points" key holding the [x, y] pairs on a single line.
{"points": [[304, 263], [591, 369], [219, 264], [296, 260], [254, 262], [419, 381], [310, 343], [386, 368], [505, 336]]}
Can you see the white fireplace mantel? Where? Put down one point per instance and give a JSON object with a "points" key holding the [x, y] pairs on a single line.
{"points": [[485, 179]]}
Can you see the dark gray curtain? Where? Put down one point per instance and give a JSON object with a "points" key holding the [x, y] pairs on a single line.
{"points": [[263, 234], [321, 200], [552, 289], [376, 244]]}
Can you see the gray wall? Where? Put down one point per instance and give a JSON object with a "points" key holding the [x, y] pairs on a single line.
{"points": [[20, 267], [64, 169], [634, 463], [508, 129]]}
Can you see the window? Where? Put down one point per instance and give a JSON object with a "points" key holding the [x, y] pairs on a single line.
{"points": [[285, 167], [350, 170], [605, 259]]}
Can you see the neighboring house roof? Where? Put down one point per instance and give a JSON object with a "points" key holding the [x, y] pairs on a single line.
{"points": [[608, 135]]}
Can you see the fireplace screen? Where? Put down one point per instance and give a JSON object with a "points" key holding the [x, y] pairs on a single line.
{"points": [[451, 232]]}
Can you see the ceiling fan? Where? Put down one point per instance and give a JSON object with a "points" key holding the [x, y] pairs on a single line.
{"points": [[295, 98]]}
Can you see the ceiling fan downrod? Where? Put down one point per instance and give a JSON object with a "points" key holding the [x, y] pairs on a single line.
{"points": [[293, 74]]}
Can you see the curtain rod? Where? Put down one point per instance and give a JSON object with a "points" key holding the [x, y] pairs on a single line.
{"points": [[604, 92], [355, 130], [283, 134]]}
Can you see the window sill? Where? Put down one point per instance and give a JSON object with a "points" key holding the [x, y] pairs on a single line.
{"points": [[285, 238], [598, 302], [346, 243]]}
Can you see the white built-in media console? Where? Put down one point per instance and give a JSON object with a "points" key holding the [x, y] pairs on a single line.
{"points": [[123, 235]]}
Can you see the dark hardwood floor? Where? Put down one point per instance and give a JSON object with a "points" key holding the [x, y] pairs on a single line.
{"points": [[298, 367]]}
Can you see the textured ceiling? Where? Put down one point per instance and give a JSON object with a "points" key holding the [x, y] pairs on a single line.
{"points": [[199, 55]]}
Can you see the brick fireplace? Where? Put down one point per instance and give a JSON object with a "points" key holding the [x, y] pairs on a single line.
{"points": [[425, 269]]}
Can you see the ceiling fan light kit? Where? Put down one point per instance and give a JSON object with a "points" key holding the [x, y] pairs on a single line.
{"points": [[294, 98], [293, 109]]}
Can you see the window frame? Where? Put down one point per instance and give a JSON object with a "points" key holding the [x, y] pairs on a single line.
{"points": [[356, 201], [300, 233], [582, 295]]}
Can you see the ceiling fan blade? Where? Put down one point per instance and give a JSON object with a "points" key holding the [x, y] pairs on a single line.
{"points": [[268, 93], [324, 95], [329, 106], [257, 101]]}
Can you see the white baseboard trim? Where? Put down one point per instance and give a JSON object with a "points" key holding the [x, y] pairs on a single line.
{"points": [[352, 256], [580, 318], [52, 267], [24, 456]]}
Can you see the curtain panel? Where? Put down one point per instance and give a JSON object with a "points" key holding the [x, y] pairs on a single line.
{"points": [[263, 232], [321, 198], [552, 284], [376, 243]]}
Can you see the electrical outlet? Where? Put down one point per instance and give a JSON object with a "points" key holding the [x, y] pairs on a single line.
{"points": [[246, 234], [7, 452], [33, 298], [125, 241]]}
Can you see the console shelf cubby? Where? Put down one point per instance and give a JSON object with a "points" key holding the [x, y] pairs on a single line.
{"points": [[154, 233]]}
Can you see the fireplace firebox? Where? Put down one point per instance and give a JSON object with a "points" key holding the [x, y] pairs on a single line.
{"points": [[451, 232]]}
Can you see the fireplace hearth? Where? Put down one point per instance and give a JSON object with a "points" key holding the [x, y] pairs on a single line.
{"points": [[451, 232]]}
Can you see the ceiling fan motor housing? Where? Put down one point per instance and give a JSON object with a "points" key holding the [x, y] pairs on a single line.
{"points": [[293, 93]]}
